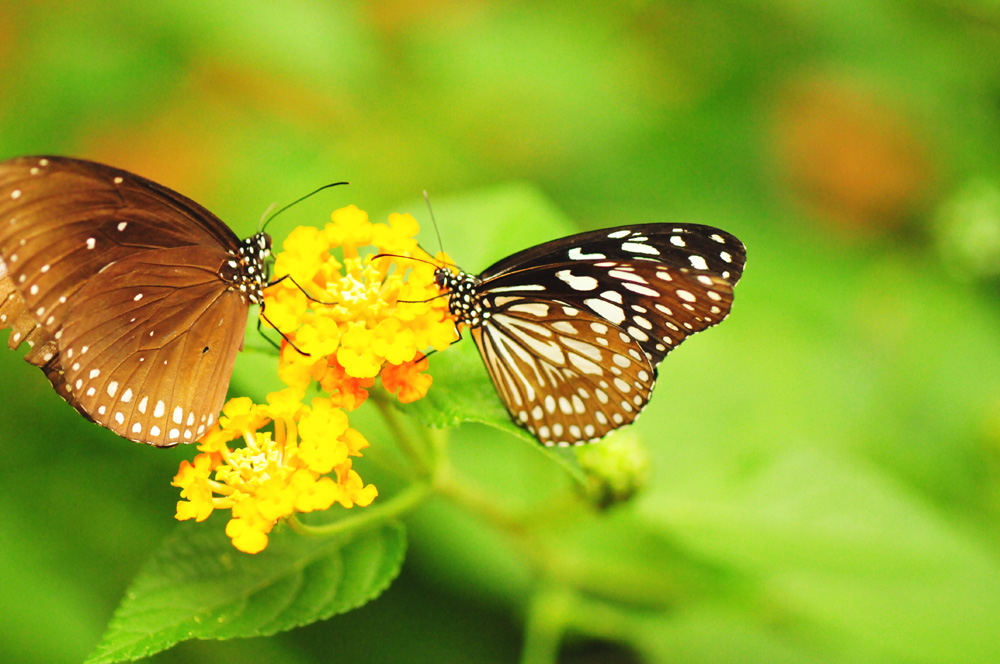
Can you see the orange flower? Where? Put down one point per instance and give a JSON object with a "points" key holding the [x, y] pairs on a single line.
{"points": [[407, 379]]}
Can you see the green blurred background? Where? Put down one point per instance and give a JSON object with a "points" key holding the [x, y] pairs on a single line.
{"points": [[824, 465]]}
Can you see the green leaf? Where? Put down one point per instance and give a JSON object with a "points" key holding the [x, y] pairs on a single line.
{"points": [[837, 545], [199, 586], [462, 392], [717, 632]]}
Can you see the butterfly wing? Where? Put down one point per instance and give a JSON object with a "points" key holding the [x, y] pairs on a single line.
{"points": [[79, 242], [695, 246], [64, 220], [660, 283], [563, 373], [622, 294], [153, 366]]}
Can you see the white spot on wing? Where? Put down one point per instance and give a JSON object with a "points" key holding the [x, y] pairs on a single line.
{"points": [[564, 326], [639, 248], [525, 287], [697, 262], [580, 283], [641, 290], [606, 310], [576, 254], [537, 309], [584, 365]]}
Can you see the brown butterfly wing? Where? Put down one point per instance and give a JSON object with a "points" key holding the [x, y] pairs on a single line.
{"points": [[64, 220], [123, 289], [149, 345]]}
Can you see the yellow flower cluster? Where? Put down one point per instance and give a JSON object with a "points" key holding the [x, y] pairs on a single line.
{"points": [[377, 311], [372, 308], [273, 476]]}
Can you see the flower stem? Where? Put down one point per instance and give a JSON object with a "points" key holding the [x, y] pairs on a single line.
{"points": [[546, 622], [459, 493], [417, 452], [373, 515]]}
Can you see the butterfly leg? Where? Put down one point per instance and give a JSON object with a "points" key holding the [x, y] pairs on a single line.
{"points": [[431, 352], [297, 285], [269, 340]]}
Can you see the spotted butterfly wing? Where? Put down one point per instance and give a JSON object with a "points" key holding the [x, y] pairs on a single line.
{"points": [[571, 331], [132, 298]]}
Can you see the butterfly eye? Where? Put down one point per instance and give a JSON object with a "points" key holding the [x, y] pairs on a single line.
{"points": [[572, 331]]}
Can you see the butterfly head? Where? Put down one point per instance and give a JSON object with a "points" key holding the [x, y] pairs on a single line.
{"points": [[464, 302], [253, 268]]}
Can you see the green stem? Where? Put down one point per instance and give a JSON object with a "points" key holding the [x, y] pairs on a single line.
{"points": [[375, 514], [417, 453], [557, 609], [461, 494], [546, 622], [599, 619]]}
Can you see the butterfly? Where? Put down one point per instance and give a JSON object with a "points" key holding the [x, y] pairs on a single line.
{"points": [[132, 298], [571, 331]]}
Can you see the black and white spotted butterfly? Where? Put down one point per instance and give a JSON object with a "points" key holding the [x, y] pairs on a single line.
{"points": [[571, 331]]}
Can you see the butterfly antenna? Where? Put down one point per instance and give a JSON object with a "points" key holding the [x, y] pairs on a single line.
{"points": [[437, 231], [408, 258], [296, 202], [434, 221], [270, 207]]}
